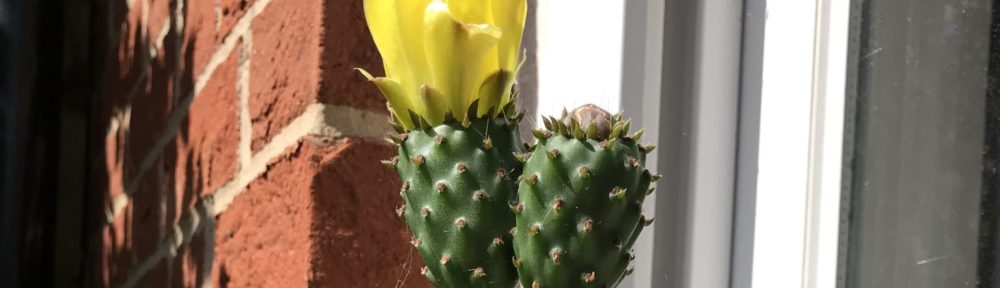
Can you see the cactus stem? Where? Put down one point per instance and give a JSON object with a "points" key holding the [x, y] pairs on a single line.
{"points": [[617, 193], [478, 272], [590, 277], [460, 222], [553, 154], [588, 225], [534, 229], [425, 212], [487, 143], [445, 259], [460, 168], [556, 254], [440, 187], [479, 195], [418, 160]]}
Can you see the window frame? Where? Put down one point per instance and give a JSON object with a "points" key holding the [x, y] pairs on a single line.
{"points": [[749, 118]]}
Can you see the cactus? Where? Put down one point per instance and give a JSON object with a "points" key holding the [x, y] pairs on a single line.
{"points": [[580, 203], [450, 69], [457, 182]]}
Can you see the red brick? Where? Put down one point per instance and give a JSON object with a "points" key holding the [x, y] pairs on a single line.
{"points": [[321, 216], [232, 11], [183, 270], [306, 52], [347, 44], [284, 74], [355, 228], [263, 237], [206, 27], [209, 138]]}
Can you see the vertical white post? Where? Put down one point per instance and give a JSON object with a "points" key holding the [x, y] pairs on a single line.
{"points": [[826, 157], [784, 153], [713, 161], [642, 66]]}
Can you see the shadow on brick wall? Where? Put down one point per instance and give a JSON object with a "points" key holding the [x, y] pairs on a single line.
{"points": [[355, 229], [138, 152]]}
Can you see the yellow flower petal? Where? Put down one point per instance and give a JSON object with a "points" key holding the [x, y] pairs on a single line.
{"points": [[492, 90], [472, 11], [383, 24], [456, 52], [434, 101], [410, 15], [395, 95], [510, 16]]}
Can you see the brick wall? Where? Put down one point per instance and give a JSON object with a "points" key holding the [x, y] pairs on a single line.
{"points": [[237, 147]]}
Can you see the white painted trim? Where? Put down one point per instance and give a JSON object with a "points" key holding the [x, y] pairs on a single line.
{"points": [[823, 226], [801, 144], [714, 121], [642, 67], [787, 87]]}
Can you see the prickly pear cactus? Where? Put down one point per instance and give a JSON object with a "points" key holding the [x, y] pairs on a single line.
{"points": [[457, 183], [450, 69], [581, 197]]}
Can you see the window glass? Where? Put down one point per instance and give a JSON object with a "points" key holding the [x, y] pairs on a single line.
{"points": [[923, 144]]}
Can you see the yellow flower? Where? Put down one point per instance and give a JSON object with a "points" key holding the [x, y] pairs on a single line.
{"points": [[441, 55]]}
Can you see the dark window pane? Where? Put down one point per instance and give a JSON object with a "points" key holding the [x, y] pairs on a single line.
{"points": [[923, 137]]}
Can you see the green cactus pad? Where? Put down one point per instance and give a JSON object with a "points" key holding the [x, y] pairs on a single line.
{"points": [[457, 183], [580, 208]]}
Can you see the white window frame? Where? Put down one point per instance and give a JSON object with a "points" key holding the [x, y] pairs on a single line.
{"points": [[800, 159], [768, 216]]}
